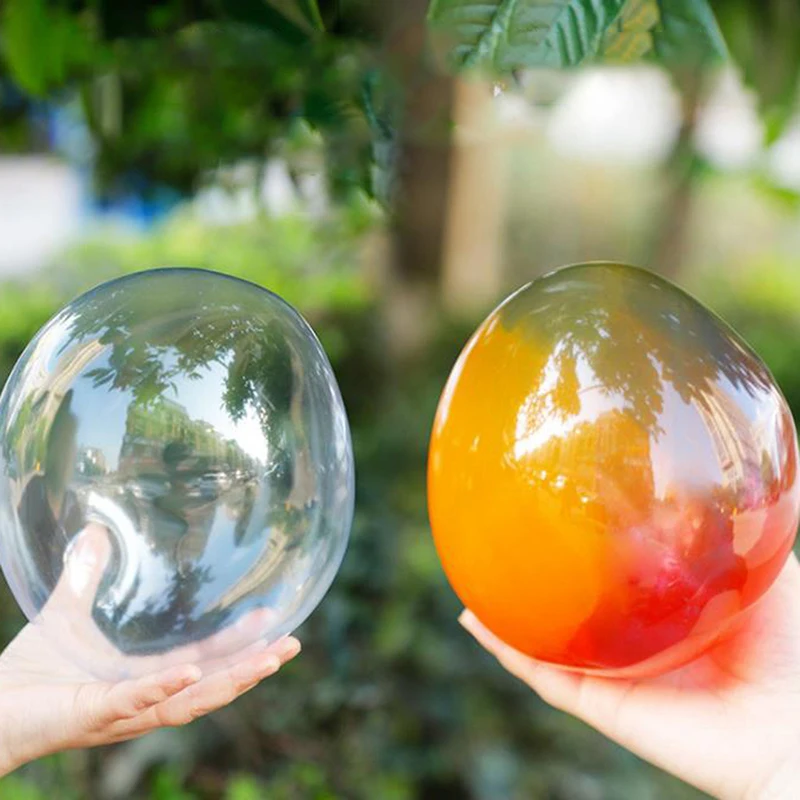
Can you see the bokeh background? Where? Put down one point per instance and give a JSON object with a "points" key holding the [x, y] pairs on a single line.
{"points": [[331, 152]]}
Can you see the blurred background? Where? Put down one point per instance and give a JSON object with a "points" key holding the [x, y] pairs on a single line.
{"points": [[370, 163]]}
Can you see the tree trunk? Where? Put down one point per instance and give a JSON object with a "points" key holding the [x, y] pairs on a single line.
{"points": [[671, 234], [473, 254], [423, 180]]}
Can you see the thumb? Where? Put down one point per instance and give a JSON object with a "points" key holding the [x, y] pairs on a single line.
{"points": [[85, 562]]}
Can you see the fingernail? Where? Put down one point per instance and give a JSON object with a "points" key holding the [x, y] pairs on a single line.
{"points": [[257, 668], [193, 674], [292, 648], [77, 548], [475, 628], [81, 565]]}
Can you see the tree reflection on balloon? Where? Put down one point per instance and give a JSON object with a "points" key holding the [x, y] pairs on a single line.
{"points": [[218, 458], [611, 446]]}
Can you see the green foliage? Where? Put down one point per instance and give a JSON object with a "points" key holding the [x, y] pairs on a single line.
{"points": [[763, 39], [58, 776], [23, 310], [18, 788], [168, 785], [300, 779], [315, 266], [687, 34], [43, 42], [631, 35], [305, 12], [172, 90], [671, 32], [505, 35], [763, 304], [244, 787]]}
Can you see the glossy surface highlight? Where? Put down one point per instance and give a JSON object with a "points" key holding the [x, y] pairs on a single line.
{"points": [[197, 418], [612, 473]]}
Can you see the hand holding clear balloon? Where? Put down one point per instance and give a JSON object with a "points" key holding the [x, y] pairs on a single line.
{"points": [[48, 704]]}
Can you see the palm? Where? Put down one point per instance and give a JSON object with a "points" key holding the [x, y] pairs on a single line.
{"points": [[31, 658], [47, 703], [726, 722]]}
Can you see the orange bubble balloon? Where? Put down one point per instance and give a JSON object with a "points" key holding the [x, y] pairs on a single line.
{"points": [[613, 473]]}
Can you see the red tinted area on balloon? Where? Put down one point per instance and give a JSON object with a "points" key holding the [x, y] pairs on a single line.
{"points": [[612, 473]]}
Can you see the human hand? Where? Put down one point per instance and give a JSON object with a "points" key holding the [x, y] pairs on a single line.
{"points": [[47, 704], [728, 723]]}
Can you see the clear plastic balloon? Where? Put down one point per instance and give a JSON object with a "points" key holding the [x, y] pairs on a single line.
{"points": [[176, 473]]}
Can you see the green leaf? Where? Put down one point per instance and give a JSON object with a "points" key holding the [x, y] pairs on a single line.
{"points": [[279, 17], [631, 37], [789, 198], [244, 787], [22, 24], [503, 35], [762, 37], [304, 13], [289, 20], [688, 34], [310, 11], [41, 43]]}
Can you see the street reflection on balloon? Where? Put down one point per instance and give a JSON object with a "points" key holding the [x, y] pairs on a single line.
{"points": [[196, 419], [612, 474]]}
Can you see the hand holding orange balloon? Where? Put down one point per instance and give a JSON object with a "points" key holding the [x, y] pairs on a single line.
{"points": [[612, 474]]}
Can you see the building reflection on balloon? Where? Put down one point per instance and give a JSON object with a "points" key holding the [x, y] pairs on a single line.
{"points": [[613, 473], [202, 426]]}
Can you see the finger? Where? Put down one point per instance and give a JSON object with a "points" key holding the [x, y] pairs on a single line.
{"points": [[85, 562], [67, 615], [214, 691], [556, 687], [223, 687], [598, 701], [285, 648], [98, 707]]}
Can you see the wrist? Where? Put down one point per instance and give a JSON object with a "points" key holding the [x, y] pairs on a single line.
{"points": [[17, 746], [8, 762]]}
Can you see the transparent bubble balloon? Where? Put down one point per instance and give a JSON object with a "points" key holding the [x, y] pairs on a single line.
{"points": [[176, 473], [613, 473]]}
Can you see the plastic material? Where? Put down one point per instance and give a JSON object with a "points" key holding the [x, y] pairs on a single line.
{"points": [[613, 473], [196, 418]]}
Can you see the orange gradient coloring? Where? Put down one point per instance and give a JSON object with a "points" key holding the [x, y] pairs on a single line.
{"points": [[612, 473]]}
